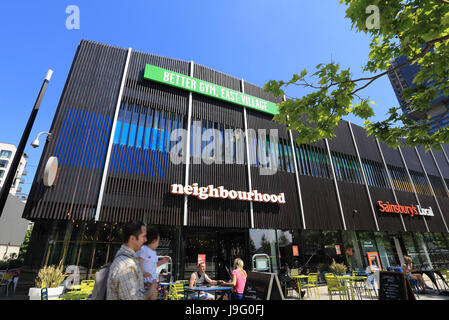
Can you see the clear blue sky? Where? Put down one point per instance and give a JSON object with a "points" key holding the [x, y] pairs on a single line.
{"points": [[257, 40]]}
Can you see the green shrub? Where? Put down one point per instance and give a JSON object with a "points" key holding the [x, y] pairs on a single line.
{"points": [[50, 277], [337, 268]]}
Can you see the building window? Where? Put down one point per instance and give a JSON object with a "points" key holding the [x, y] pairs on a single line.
{"points": [[437, 185], [217, 143], [145, 128], [420, 183], [375, 173], [347, 168], [313, 161], [5, 154], [400, 179], [3, 163], [2, 172]]}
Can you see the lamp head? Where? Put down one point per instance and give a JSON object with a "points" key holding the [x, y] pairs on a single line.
{"points": [[35, 143]]}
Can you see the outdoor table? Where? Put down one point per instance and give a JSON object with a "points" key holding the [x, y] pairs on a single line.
{"points": [[359, 281], [346, 281], [431, 275], [208, 289], [164, 284], [299, 278]]}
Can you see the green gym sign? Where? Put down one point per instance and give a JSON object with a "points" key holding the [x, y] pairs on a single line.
{"points": [[208, 89]]}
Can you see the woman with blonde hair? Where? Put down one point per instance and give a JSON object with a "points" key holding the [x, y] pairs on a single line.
{"points": [[408, 270], [238, 280]]}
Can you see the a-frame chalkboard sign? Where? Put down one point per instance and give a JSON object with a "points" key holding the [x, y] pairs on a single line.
{"points": [[394, 286], [262, 286]]}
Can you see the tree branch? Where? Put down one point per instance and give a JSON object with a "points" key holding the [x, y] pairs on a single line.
{"points": [[426, 49]]}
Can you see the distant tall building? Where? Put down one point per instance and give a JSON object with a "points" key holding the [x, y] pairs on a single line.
{"points": [[7, 152], [403, 78]]}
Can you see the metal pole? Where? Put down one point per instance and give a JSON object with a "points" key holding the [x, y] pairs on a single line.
{"points": [[295, 161], [337, 191], [363, 175], [248, 164], [26, 133], [187, 155], [111, 137]]}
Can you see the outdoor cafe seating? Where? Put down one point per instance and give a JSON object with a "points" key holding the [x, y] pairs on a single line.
{"points": [[80, 292]]}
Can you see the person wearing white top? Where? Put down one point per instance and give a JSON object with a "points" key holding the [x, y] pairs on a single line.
{"points": [[148, 256]]}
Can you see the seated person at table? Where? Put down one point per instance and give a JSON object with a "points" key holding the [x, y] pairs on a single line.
{"points": [[408, 270], [284, 278], [200, 278], [163, 277], [238, 280]]}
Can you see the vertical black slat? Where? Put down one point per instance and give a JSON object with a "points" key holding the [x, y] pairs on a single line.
{"points": [[79, 186], [140, 162], [86, 92], [60, 191], [95, 175], [264, 216], [137, 177], [98, 97], [427, 161], [32, 203]]}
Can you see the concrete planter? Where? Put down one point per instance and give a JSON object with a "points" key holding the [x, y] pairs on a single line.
{"points": [[53, 293]]}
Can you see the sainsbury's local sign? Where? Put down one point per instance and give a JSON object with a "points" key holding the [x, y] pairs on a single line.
{"points": [[182, 81], [411, 210]]}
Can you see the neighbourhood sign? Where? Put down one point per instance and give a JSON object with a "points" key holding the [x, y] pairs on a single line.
{"points": [[207, 88], [203, 193]]}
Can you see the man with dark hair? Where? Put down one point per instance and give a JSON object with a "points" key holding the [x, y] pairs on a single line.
{"points": [[125, 279]]}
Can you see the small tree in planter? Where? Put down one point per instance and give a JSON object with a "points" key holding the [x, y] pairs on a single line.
{"points": [[48, 277], [337, 268]]}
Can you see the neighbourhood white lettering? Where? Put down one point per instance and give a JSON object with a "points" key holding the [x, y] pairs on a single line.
{"points": [[204, 193]]}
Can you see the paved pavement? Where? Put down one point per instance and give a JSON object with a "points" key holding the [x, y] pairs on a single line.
{"points": [[324, 295]]}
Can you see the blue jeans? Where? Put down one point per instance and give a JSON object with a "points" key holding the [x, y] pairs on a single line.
{"points": [[236, 296]]}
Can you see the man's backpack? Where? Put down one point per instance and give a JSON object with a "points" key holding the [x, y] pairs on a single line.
{"points": [[101, 281]]}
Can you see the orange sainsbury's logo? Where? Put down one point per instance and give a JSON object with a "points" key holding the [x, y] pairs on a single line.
{"points": [[412, 210]]}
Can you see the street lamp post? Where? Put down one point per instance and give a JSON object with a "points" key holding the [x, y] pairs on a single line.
{"points": [[26, 133]]}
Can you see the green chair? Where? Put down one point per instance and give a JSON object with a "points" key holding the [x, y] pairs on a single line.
{"points": [[334, 286], [6, 281], [312, 283], [176, 291], [294, 272]]}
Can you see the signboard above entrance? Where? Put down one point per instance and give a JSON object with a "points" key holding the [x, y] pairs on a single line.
{"points": [[412, 210], [182, 81]]}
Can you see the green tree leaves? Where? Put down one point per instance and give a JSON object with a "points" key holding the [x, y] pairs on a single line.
{"points": [[415, 29]]}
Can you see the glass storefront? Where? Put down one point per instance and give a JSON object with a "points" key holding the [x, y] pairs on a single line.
{"points": [[352, 251], [368, 245], [411, 249], [387, 253], [438, 249], [263, 242], [217, 248], [89, 246]]}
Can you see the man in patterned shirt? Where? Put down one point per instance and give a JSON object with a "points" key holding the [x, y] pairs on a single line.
{"points": [[125, 279]]}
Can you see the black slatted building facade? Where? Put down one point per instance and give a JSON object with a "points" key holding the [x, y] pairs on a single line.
{"points": [[113, 171]]}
